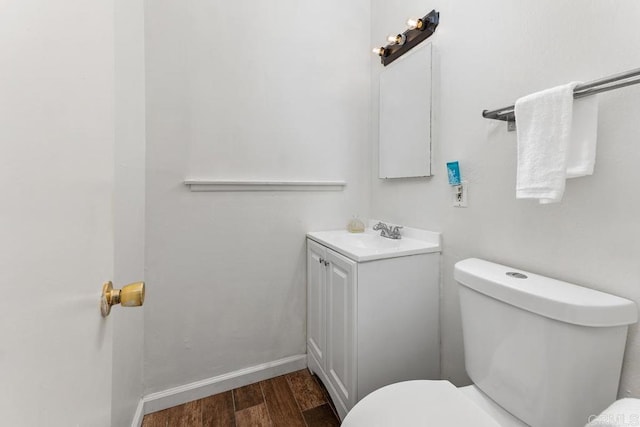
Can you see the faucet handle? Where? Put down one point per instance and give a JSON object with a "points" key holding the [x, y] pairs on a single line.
{"points": [[379, 225], [395, 232]]}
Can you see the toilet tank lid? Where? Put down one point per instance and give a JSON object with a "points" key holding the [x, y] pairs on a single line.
{"points": [[547, 297]]}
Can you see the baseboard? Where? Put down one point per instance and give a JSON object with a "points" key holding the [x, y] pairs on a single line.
{"points": [[197, 390], [139, 415]]}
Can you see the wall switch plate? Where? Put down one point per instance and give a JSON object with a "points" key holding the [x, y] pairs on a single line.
{"points": [[460, 194]]}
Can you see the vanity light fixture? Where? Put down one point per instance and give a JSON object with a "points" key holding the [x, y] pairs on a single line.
{"points": [[419, 30]]}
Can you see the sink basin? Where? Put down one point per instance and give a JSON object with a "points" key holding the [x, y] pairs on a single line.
{"points": [[369, 246], [366, 240]]}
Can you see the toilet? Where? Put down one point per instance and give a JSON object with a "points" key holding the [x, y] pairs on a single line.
{"points": [[540, 352]]}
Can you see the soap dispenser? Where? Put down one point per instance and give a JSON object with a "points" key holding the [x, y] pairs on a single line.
{"points": [[355, 225]]}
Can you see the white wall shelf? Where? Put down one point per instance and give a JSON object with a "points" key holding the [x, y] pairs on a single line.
{"points": [[220, 185]]}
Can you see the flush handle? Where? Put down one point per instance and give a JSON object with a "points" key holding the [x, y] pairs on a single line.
{"points": [[131, 295]]}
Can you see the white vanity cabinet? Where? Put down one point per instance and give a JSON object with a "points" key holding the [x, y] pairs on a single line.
{"points": [[331, 315], [370, 323]]}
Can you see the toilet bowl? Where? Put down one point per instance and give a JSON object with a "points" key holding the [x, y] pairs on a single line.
{"points": [[428, 403], [540, 352]]}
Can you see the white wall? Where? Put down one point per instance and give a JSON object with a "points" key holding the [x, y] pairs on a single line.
{"points": [[488, 54], [245, 90], [128, 337]]}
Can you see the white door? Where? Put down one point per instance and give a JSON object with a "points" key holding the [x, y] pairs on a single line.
{"points": [[56, 211]]}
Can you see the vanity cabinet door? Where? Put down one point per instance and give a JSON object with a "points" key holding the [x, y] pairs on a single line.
{"points": [[316, 298], [341, 327]]}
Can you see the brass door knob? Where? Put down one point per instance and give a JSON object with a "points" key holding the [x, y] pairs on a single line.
{"points": [[131, 295]]}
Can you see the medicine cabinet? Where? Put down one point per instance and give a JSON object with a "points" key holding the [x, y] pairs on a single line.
{"points": [[405, 115]]}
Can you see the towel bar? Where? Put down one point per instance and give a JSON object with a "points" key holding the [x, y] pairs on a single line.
{"points": [[604, 84]]}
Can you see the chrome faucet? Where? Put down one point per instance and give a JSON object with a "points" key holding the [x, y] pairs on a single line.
{"points": [[390, 232]]}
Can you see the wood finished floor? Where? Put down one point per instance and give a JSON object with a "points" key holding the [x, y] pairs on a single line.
{"points": [[292, 400]]}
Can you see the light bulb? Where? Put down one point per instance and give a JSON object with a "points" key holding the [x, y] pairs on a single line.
{"points": [[378, 50], [415, 23], [400, 39]]}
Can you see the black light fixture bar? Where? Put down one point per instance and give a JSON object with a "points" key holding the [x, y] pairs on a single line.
{"points": [[412, 37]]}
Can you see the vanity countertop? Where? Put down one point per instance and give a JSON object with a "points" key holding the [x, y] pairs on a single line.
{"points": [[370, 246]]}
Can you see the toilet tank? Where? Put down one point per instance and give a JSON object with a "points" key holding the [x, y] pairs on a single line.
{"points": [[547, 351]]}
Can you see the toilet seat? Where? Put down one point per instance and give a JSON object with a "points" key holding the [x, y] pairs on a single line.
{"points": [[415, 404]]}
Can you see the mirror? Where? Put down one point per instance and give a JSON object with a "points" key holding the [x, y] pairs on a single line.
{"points": [[405, 116]]}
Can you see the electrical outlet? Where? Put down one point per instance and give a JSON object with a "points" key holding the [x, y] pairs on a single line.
{"points": [[460, 195]]}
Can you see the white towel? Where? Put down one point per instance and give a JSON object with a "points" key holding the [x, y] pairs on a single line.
{"points": [[584, 136], [553, 143], [622, 413]]}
